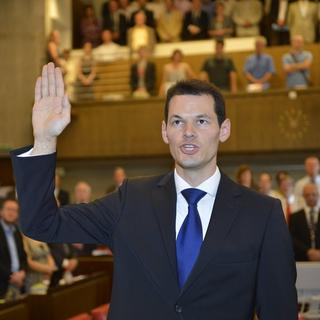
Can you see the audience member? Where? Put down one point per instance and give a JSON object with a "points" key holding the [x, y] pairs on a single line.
{"points": [[82, 192], [259, 67], [86, 70], [195, 23], [285, 193], [228, 7], [143, 75], [275, 25], [13, 260], [244, 177], [174, 71], [265, 184], [183, 6], [303, 19], [140, 34], [304, 226], [221, 26], [61, 195], [297, 64], [312, 169], [126, 8], [115, 21], [169, 23], [54, 53], [119, 175], [40, 265], [220, 70], [247, 15], [108, 51], [90, 27], [149, 17]]}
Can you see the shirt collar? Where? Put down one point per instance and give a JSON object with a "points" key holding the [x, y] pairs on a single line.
{"points": [[308, 209], [7, 227], [210, 186]]}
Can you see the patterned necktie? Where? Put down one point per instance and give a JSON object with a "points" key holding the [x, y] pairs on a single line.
{"points": [[189, 238]]}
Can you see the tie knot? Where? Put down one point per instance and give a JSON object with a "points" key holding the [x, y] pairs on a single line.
{"points": [[192, 195]]}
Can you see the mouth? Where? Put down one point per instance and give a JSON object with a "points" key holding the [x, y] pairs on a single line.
{"points": [[189, 148]]}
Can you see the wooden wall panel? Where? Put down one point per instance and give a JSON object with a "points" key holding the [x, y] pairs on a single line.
{"points": [[261, 122]]}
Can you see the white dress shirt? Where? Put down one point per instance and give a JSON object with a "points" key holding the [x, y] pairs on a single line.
{"points": [[205, 205]]}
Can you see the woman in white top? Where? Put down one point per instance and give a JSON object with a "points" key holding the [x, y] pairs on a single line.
{"points": [[174, 71]]}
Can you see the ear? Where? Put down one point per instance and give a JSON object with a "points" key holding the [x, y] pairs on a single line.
{"points": [[164, 132], [225, 130]]}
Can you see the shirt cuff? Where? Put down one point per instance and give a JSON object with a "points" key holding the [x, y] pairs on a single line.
{"points": [[26, 154]]}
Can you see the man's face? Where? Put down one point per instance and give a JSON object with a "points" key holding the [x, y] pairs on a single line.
{"points": [[193, 133], [312, 166], [311, 195], [297, 42], [265, 183], [10, 211], [219, 49], [118, 176], [259, 46], [82, 193]]}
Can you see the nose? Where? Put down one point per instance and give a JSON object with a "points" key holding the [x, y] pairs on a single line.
{"points": [[189, 131]]}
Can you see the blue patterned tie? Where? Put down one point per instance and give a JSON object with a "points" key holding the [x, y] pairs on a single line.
{"points": [[189, 238]]}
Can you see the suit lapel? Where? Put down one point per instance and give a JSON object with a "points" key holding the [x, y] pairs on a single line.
{"points": [[223, 215], [164, 201]]}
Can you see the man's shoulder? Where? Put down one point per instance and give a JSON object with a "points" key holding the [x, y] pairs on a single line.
{"points": [[147, 182]]}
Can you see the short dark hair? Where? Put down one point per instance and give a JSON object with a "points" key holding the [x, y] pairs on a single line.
{"points": [[197, 88], [220, 41], [5, 200]]}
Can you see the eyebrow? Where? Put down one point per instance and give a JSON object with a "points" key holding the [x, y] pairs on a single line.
{"points": [[203, 115]]}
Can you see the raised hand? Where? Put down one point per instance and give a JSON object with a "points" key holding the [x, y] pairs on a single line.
{"points": [[51, 110]]}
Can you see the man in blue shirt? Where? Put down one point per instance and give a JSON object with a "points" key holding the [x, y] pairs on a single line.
{"points": [[259, 67], [12, 255]]}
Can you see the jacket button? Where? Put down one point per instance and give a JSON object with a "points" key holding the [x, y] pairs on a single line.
{"points": [[178, 308]]}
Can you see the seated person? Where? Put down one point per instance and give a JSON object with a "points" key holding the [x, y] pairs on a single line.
{"points": [[247, 15], [149, 17], [86, 71], [13, 260], [297, 64], [90, 28], [195, 23], [174, 71], [115, 21], [221, 26], [108, 51], [220, 70], [54, 52], [169, 23], [140, 34], [40, 265], [143, 75], [305, 228], [259, 67]]}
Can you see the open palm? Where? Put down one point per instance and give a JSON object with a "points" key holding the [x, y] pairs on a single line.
{"points": [[51, 110]]}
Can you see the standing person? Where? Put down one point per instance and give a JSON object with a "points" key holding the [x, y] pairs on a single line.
{"points": [[259, 67], [119, 175], [244, 176], [54, 53], [175, 71], [13, 260], [90, 27], [220, 70], [303, 19], [297, 64], [312, 175], [305, 228], [224, 258]]}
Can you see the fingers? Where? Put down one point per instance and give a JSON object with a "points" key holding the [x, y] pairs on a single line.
{"points": [[44, 82], [51, 80], [37, 90], [59, 82]]}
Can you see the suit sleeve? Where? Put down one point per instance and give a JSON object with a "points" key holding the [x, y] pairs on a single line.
{"points": [[276, 296], [41, 219]]}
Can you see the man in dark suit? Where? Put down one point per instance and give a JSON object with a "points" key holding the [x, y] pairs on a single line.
{"points": [[188, 245], [305, 226], [13, 261], [195, 23]]}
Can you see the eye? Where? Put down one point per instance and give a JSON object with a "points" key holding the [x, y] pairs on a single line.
{"points": [[203, 121], [176, 122]]}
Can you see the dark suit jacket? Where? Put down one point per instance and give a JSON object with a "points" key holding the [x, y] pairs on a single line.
{"points": [[300, 234], [202, 22], [5, 259], [246, 262], [63, 197], [109, 24], [149, 77]]}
